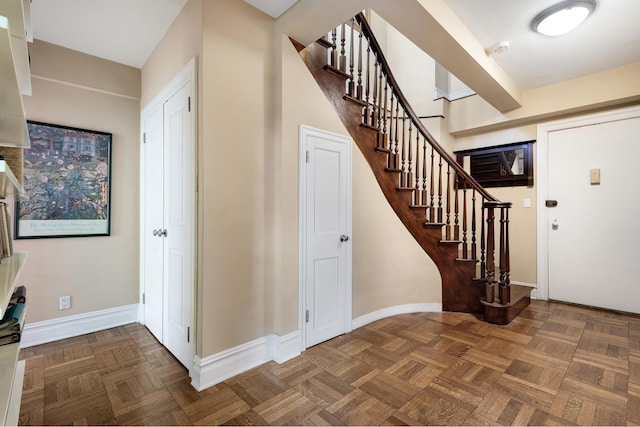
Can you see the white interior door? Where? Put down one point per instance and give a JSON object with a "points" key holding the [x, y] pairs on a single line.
{"points": [[153, 204], [168, 216], [594, 229], [179, 213], [327, 236]]}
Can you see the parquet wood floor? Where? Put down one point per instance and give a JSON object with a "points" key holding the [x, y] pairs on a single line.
{"points": [[555, 364]]}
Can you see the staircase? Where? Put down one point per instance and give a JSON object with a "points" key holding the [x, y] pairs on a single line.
{"points": [[463, 228]]}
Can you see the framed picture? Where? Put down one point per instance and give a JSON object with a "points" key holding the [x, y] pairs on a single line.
{"points": [[67, 179]]}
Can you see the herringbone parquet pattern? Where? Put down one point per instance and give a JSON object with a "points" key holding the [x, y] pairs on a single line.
{"points": [[556, 364]]}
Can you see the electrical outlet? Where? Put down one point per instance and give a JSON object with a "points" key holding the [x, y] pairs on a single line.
{"points": [[64, 302]]}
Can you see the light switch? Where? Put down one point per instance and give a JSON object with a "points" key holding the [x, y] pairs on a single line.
{"points": [[595, 176], [527, 203]]}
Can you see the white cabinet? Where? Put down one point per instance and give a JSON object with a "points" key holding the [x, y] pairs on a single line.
{"points": [[15, 72], [11, 371], [15, 82]]}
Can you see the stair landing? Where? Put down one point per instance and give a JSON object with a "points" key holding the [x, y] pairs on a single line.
{"points": [[503, 314]]}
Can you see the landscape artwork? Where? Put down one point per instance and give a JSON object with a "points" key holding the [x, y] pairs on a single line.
{"points": [[66, 177]]}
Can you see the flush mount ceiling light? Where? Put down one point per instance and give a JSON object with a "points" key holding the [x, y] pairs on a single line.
{"points": [[563, 17]]}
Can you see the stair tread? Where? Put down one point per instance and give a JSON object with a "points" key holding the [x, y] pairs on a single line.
{"points": [[382, 150], [517, 293], [357, 101], [467, 260], [434, 224], [337, 72], [368, 126], [405, 188], [324, 43]]}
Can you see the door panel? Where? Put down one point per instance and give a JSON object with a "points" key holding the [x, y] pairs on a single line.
{"points": [[593, 231], [328, 292], [154, 219], [179, 205], [327, 207]]}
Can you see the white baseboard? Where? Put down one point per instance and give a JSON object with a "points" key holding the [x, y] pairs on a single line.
{"points": [[211, 370], [394, 311], [71, 326], [286, 347]]}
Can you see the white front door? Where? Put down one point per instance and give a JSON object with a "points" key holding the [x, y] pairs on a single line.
{"points": [[168, 217], [594, 229], [327, 223]]}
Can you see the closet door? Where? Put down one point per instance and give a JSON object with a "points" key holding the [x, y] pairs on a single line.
{"points": [[152, 267], [179, 214], [168, 202]]}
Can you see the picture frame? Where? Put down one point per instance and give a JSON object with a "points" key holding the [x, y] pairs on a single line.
{"points": [[67, 181]]}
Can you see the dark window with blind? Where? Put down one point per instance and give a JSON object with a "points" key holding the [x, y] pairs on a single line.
{"points": [[509, 165]]}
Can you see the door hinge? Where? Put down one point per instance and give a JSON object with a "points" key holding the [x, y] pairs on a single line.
{"points": [[188, 333], [144, 138], [189, 104], [307, 154], [144, 298], [306, 316]]}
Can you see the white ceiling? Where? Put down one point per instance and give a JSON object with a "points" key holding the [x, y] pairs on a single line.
{"points": [[126, 31], [274, 8], [609, 38]]}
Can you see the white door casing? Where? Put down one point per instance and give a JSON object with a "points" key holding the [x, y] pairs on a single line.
{"points": [[587, 244], [168, 215], [325, 174]]}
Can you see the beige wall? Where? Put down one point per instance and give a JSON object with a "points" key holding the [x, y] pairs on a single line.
{"points": [[415, 72], [182, 42], [74, 89], [237, 68]]}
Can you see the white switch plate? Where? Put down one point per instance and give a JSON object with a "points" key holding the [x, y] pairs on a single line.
{"points": [[527, 203], [594, 176]]}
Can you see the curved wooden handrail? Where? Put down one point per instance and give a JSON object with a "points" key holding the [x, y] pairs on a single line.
{"points": [[375, 47]]}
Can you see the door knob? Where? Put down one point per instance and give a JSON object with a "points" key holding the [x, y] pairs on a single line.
{"points": [[344, 238], [160, 232]]}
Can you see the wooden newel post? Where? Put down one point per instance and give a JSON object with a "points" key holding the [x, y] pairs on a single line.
{"points": [[505, 289], [490, 265]]}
